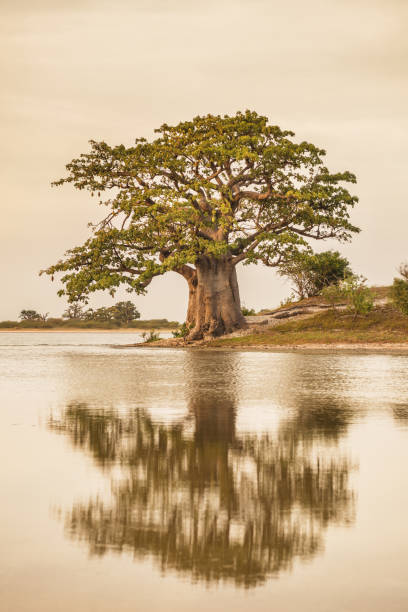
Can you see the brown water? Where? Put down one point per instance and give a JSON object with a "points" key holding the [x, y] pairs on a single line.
{"points": [[139, 479]]}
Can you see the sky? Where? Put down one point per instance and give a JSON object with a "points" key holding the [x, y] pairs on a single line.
{"points": [[333, 71]]}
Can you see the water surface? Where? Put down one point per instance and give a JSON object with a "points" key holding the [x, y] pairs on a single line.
{"points": [[178, 480]]}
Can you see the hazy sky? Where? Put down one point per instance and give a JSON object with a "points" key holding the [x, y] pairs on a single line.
{"points": [[333, 71]]}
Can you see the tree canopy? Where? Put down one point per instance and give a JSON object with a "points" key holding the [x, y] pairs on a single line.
{"points": [[214, 189]]}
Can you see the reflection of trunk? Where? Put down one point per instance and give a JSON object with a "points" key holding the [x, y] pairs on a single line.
{"points": [[214, 306]]}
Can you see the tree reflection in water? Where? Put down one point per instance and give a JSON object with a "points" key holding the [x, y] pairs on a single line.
{"points": [[208, 501]]}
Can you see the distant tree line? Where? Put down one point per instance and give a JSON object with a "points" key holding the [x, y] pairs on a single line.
{"points": [[121, 314]]}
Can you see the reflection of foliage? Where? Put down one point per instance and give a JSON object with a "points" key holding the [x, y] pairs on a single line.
{"points": [[204, 500], [400, 413]]}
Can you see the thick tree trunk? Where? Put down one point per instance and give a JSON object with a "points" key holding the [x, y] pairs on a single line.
{"points": [[214, 306]]}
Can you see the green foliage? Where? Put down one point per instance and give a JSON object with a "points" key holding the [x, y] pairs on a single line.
{"points": [[125, 312], [29, 315], [100, 315], [182, 331], [311, 272], [153, 323], [247, 312], [214, 187], [8, 324], [399, 290], [403, 270], [35, 324], [353, 290], [150, 336], [399, 294], [122, 313], [74, 311], [334, 294], [360, 298]]}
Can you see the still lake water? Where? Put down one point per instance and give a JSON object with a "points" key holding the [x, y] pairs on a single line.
{"points": [[140, 479]]}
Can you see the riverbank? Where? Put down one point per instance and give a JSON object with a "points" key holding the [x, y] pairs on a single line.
{"points": [[383, 329]]}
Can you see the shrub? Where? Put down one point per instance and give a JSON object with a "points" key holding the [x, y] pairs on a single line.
{"points": [[399, 295], [333, 294], [403, 270], [182, 331], [74, 311], [152, 336], [247, 312], [353, 289], [360, 298], [311, 272], [29, 315], [34, 324]]}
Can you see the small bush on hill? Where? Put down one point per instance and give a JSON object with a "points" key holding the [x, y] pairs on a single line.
{"points": [[353, 289], [152, 336], [399, 290], [399, 293], [247, 312], [360, 297], [311, 272]]}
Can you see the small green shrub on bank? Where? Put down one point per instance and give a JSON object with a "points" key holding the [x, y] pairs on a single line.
{"points": [[353, 289], [152, 336], [361, 299], [399, 295], [334, 294], [247, 312], [182, 331]]}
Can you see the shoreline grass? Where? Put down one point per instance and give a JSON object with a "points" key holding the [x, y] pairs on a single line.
{"points": [[384, 325]]}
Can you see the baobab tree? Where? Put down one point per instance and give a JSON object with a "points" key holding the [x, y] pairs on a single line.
{"points": [[197, 200]]}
